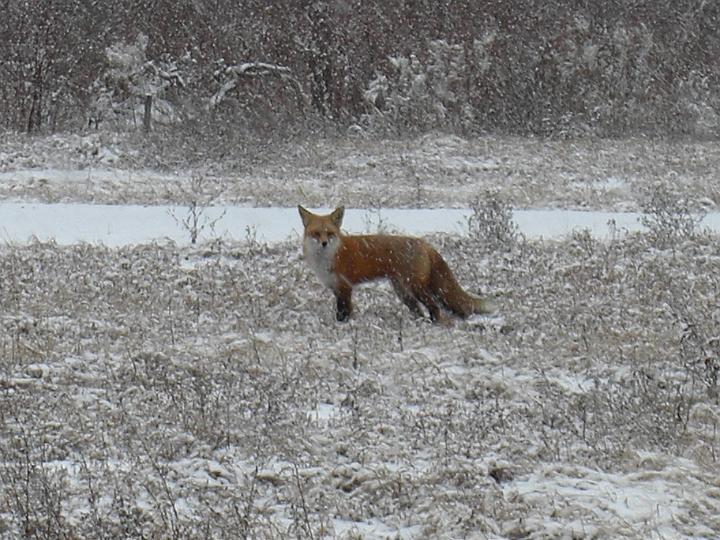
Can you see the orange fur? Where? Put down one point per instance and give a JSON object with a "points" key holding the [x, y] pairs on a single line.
{"points": [[418, 273]]}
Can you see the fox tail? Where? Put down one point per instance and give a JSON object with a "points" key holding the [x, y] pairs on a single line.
{"points": [[453, 297]]}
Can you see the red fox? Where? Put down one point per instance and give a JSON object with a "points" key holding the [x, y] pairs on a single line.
{"points": [[415, 269]]}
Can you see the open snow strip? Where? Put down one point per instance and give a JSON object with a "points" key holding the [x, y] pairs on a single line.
{"points": [[118, 225]]}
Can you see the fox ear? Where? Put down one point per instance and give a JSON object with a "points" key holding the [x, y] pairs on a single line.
{"points": [[304, 215], [337, 216]]}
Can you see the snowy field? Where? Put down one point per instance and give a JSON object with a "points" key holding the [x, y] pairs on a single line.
{"points": [[154, 388], [116, 225]]}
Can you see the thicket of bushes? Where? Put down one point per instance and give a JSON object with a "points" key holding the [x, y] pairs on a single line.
{"points": [[523, 66]]}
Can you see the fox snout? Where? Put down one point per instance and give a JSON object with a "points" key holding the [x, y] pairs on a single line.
{"points": [[327, 244], [322, 240], [324, 245]]}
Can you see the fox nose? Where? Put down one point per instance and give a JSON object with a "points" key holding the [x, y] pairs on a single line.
{"points": [[324, 243]]}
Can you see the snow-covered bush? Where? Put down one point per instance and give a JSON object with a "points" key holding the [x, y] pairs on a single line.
{"points": [[428, 92], [566, 79], [199, 194], [698, 104], [669, 218], [260, 93], [538, 66], [491, 223], [129, 79]]}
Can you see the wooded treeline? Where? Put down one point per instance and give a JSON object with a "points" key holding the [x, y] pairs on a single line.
{"points": [[521, 66]]}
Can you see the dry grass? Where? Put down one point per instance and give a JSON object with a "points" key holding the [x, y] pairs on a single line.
{"points": [[427, 171], [154, 391]]}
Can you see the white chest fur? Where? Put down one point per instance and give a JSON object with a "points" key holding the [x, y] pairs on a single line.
{"points": [[321, 259]]}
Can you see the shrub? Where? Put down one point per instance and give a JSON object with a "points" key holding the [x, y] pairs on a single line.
{"points": [[491, 223], [668, 217]]}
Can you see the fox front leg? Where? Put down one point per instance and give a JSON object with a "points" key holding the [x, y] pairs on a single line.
{"points": [[343, 296]]}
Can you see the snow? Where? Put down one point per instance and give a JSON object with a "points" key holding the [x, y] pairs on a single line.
{"points": [[646, 505], [117, 225], [159, 388]]}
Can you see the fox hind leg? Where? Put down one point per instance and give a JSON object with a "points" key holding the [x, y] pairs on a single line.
{"points": [[408, 298], [430, 302]]}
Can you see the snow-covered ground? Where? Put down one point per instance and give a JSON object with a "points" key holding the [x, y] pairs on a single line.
{"points": [[118, 225], [153, 388], [433, 171]]}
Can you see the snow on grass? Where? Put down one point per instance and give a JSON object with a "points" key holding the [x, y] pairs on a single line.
{"points": [[433, 171], [159, 390], [162, 390], [647, 504]]}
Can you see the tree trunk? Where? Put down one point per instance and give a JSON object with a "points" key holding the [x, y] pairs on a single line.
{"points": [[147, 117]]}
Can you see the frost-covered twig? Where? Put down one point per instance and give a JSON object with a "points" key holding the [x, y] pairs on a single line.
{"points": [[252, 70]]}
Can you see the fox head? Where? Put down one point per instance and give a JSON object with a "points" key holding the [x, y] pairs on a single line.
{"points": [[323, 230], [321, 242]]}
